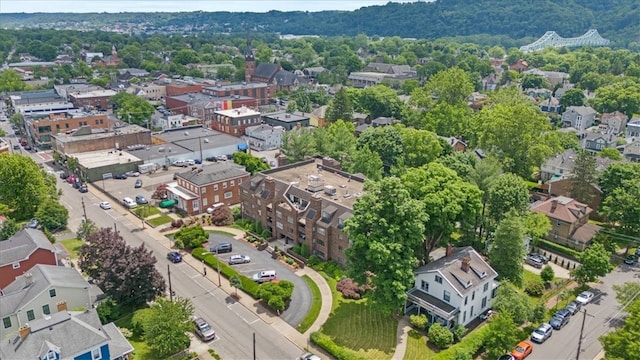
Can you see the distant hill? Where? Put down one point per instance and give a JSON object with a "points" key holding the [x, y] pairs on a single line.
{"points": [[616, 20]]}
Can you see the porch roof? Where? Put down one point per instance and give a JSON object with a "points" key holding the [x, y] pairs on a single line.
{"points": [[432, 303]]}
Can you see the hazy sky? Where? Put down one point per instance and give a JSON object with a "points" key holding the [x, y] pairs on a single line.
{"points": [[32, 6]]}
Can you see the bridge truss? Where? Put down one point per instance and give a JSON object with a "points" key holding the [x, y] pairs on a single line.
{"points": [[551, 38]]}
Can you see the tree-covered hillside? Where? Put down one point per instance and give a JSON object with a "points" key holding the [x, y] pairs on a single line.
{"points": [[616, 20]]}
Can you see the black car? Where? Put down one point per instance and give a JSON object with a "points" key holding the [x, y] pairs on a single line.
{"points": [[221, 248], [27, 147], [534, 261], [64, 175], [174, 257], [557, 322], [83, 189], [563, 313], [630, 260], [121, 176]]}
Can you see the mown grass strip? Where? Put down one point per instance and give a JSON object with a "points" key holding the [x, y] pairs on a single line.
{"points": [[316, 305]]}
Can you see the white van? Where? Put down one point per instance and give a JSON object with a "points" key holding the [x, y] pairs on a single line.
{"points": [[129, 203], [213, 207], [180, 163], [265, 276]]}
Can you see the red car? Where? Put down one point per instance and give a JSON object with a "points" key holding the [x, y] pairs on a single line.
{"points": [[522, 350]]}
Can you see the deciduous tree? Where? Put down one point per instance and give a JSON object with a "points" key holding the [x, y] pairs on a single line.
{"points": [[51, 215], [386, 230], [386, 141], [507, 249], [547, 274], [616, 174], [611, 153], [507, 192], [622, 207], [572, 97], [166, 325], [297, 144], [595, 262], [503, 333], [420, 147], [251, 163], [366, 162], [511, 301], [22, 186]]}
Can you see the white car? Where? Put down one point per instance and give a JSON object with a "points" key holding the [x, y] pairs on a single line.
{"points": [[105, 205], [132, 173], [585, 297]]}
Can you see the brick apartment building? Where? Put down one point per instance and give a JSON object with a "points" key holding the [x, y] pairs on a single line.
{"points": [[262, 92], [97, 99], [41, 129], [204, 186], [304, 203], [235, 121]]}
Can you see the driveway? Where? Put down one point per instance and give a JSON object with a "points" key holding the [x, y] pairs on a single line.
{"points": [[261, 260]]}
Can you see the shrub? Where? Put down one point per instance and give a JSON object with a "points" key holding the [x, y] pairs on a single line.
{"points": [[559, 249], [108, 311], [534, 287], [222, 216], [471, 345], [192, 237], [458, 332], [137, 321], [348, 288], [313, 260], [440, 336], [276, 294], [547, 274], [538, 313], [324, 341], [177, 223], [419, 321], [289, 261], [460, 354]]}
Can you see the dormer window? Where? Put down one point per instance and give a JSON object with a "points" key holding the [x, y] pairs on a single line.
{"points": [[51, 355]]}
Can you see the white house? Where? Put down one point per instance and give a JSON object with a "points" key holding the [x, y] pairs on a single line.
{"points": [[44, 290], [455, 289], [264, 137]]}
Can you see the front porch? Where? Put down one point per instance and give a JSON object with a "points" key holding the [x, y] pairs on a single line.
{"points": [[436, 310]]}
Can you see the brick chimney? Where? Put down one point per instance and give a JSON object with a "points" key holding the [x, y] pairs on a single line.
{"points": [[554, 205], [62, 305], [465, 264], [316, 203], [24, 331], [449, 250], [270, 185]]}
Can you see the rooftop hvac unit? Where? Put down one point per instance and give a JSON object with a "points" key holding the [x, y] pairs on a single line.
{"points": [[330, 190], [315, 183]]}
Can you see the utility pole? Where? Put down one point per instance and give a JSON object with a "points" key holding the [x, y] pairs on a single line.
{"points": [[84, 209], [584, 317], [254, 346], [170, 289]]}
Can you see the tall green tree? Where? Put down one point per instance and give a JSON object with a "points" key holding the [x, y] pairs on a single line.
{"points": [[506, 252], [623, 96], [11, 81], [583, 178], [380, 100], [297, 144], [420, 147], [340, 107], [386, 230], [622, 208], [513, 302], [51, 215], [452, 86], [366, 162], [572, 97], [507, 192], [447, 200], [23, 187], [595, 262], [503, 333], [616, 174], [483, 175], [132, 109], [337, 141], [166, 325], [622, 342], [514, 130], [386, 141]]}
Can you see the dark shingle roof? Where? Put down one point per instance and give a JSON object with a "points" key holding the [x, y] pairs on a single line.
{"points": [[22, 244]]}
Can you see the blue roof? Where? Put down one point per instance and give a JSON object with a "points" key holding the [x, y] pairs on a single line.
{"points": [[243, 146]]}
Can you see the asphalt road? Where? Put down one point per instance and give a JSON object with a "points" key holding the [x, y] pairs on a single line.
{"points": [[260, 261], [603, 314], [234, 324]]}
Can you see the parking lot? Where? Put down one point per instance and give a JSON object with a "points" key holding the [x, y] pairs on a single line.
{"points": [[261, 261]]}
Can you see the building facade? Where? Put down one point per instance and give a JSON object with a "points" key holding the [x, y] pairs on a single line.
{"points": [[264, 137], [98, 99], [41, 129], [24, 250], [263, 93], [235, 121], [288, 121]]}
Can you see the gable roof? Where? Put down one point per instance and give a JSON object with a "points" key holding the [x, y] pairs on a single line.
{"points": [[563, 208], [285, 78], [40, 278], [22, 244], [580, 110], [70, 334], [450, 268], [567, 160], [266, 70]]}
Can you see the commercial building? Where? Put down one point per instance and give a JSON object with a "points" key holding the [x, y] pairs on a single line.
{"points": [[305, 203], [41, 129], [104, 164], [85, 139], [39, 103], [288, 121], [264, 137], [97, 99], [235, 121], [262, 92]]}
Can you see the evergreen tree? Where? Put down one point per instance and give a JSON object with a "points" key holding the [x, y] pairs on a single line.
{"points": [[584, 175], [340, 107]]}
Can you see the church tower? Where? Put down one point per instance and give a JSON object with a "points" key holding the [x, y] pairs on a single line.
{"points": [[249, 60]]}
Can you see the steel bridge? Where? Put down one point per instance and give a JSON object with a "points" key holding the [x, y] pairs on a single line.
{"points": [[551, 38]]}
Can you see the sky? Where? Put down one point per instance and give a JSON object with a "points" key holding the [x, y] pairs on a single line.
{"points": [[115, 6]]}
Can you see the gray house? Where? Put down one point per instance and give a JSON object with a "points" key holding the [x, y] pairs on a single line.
{"points": [[578, 117], [594, 142], [633, 128]]}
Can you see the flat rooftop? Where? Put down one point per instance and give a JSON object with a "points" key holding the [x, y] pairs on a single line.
{"points": [[251, 85], [285, 117], [232, 113], [100, 134], [94, 93], [311, 172], [187, 141], [196, 97], [95, 159]]}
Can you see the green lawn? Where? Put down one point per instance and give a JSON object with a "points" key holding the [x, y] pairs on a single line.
{"points": [[417, 348], [363, 330], [141, 350], [72, 246], [316, 304], [146, 211], [163, 219], [220, 232]]}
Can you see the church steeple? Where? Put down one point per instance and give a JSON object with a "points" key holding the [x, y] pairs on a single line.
{"points": [[249, 60]]}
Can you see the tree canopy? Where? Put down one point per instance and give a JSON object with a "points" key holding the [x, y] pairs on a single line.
{"points": [[23, 187]]}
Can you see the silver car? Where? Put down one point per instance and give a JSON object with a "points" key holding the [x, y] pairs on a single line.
{"points": [[203, 329], [542, 333], [239, 259]]}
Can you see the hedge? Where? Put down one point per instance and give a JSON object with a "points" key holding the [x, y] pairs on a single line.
{"points": [[470, 344], [248, 285], [325, 342], [559, 249]]}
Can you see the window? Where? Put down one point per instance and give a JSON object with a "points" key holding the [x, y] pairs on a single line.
{"points": [[228, 195], [204, 202], [464, 316], [51, 355], [493, 293], [239, 181], [279, 225], [232, 183], [484, 302], [438, 279], [30, 315], [196, 204], [486, 287], [473, 295], [15, 266], [95, 354], [46, 310], [216, 198], [290, 219], [278, 213], [466, 298], [224, 185], [6, 322], [215, 187], [203, 189], [320, 231], [471, 312], [52, 292], [424, 286], [446, 296]]}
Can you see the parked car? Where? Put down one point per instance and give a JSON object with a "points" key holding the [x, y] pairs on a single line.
{"points": [[33, 223], [309, 356], [585, 297], [174, 257], [542, 333], [203, 329], [540, 257], [129, 203], [506, 357], [138, 184], [164, 204], [213, 207], [141, 199], [563, 313], [522, 350], [239, 259], [105, 205], [534, 261], [557, 322], [63, 175], [83, 189], [132, 173], [574, 307], [27, 147], [630, 260], [221, 248], [121, 176], [265, 276]]}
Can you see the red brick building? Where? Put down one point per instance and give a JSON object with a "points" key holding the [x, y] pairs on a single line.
{"points": [[98, 99], [235, 121], [181, 89], [24, 250], [262, 92], [40, 130]]}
